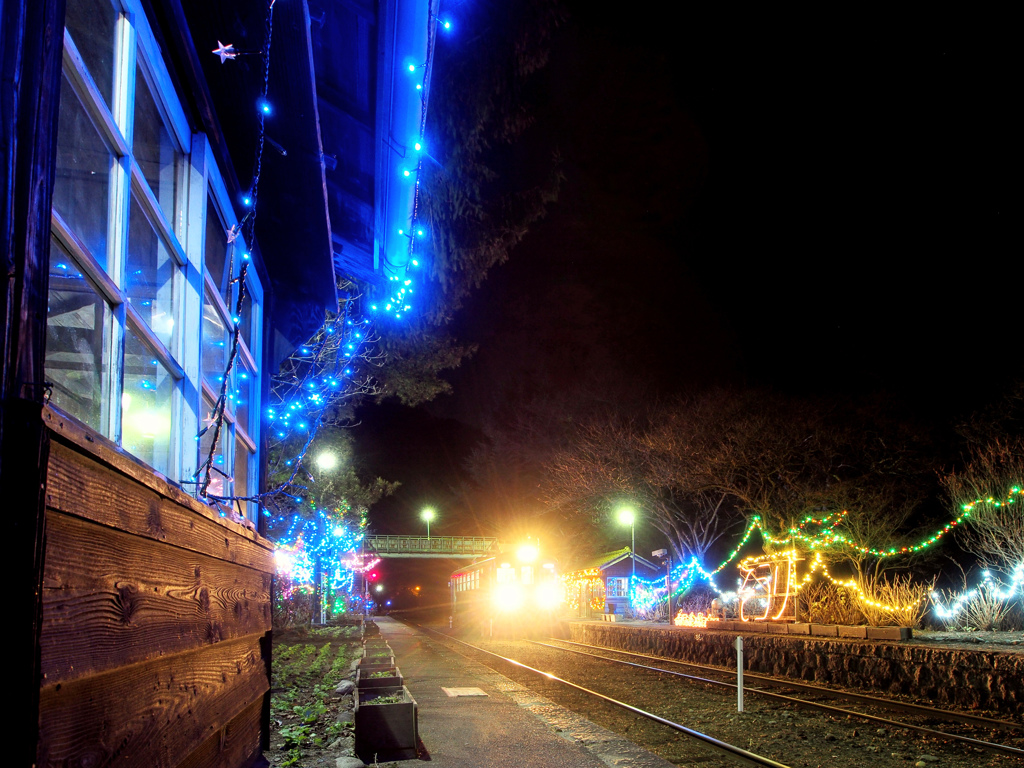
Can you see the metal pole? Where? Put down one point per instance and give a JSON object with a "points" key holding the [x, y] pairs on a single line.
{"points": [[668, 584], [739, 673]]}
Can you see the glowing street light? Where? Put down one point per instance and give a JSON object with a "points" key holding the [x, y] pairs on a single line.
{"points": [[628, 517], [327, 461], [428, 514]]}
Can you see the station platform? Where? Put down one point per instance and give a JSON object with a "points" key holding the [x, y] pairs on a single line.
{"points": [[501, 724]]}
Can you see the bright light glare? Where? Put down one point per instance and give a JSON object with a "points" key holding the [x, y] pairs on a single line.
{"points": [[548, 596], [508, 597], [429, 514], [627, 516], [327, 461], [527, 553]]}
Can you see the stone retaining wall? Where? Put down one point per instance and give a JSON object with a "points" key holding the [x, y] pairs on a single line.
{"points": [[969, 679]]}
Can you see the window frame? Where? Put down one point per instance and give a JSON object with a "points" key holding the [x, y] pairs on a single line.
{"points": [[136, 54]]}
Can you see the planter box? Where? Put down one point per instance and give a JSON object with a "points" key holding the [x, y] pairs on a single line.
{"points": [[890, 633], [385, 731], [798, 629], [388, 659], [825, 630], [367, 667], [860, 633], [365, 682]]}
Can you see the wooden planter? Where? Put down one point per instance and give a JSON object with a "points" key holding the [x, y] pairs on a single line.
{"points": [[385, 731], [364, 682], [389, 659]]}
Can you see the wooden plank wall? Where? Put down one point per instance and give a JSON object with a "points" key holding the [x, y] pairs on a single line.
{"points": [[154, 609]]}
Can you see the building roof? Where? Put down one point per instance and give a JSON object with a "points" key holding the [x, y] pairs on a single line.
{"points": [[607, 559]]}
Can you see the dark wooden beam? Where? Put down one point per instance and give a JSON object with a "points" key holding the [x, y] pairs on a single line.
{"points": [[31, 46]]}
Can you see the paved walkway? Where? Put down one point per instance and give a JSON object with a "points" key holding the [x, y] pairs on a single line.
{"points": [[508, 727]]}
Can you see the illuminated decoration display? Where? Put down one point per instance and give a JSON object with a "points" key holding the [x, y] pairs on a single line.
{"points": [[990, 585], [590, 582], [322, 549], [323, 372], [772, 580], [819, 534], [246, 230], [699, 619]]}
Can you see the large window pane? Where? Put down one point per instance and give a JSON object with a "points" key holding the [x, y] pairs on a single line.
{"points": [[155, 150], [78, 328], [216, 255], [81, 192], [245, 319], [244, 382], [93, 27], [149, 277], [241, 488], [146, 404], [219, 481], [215, 344]]}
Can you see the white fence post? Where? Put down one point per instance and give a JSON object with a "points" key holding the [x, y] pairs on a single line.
{"points": [[739, 673]]}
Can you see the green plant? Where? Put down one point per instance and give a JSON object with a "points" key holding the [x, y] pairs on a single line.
{"points": [[383, 673], [391, 698]]}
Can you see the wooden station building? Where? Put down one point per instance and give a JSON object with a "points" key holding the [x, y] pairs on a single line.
{"points": [[140, 615]]}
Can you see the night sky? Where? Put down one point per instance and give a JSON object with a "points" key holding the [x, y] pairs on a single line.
{"points": [[818, 204]]}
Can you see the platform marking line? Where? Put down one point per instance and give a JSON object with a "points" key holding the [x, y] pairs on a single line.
{"points": [[453, 692]]}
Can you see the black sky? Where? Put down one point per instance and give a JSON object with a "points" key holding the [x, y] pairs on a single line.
{"points": [[826, 202]]}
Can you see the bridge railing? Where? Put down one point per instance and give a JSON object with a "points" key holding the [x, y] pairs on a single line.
{"points": [[411, 546]]}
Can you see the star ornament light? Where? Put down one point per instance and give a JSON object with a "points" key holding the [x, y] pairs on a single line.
{"points": [[225, 52]]}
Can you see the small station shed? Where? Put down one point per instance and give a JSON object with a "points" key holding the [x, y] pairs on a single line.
{"points": [[601, 584]]}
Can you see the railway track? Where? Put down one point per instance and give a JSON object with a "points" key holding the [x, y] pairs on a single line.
{"points": [[731, 751], [873, 701], [774, 704]]}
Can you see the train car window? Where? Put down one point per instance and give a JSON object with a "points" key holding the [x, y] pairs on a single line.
{"points": [[506, 574]]}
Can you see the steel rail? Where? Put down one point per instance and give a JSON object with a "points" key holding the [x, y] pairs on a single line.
{"points": [[986, 745], [738, 754], [943, 714]]}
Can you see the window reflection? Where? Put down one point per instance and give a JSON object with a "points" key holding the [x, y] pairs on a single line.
{"points": [[78, 329], [82, 185], [149, 277], [146, 404], [155, 150], [93, 28], [219, 480]]}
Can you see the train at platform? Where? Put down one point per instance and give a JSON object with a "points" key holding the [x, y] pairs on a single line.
{"points": [[512, 591]]}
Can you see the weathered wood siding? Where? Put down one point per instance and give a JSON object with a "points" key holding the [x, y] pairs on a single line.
{"points": [[156, 618]]}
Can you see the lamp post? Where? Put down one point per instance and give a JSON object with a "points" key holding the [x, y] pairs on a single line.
{"points": [[428, 515], [628, 517]]}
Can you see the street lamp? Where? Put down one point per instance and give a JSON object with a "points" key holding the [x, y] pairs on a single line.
{"points": [[327, 461], [428, 515], [628, 517]]}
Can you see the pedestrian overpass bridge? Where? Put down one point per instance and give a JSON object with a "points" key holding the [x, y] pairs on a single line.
{"points": [[433, 546]]}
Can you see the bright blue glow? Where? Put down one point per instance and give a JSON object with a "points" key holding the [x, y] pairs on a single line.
{"points": [[412, 67], [417, 146], [246, 201], [406, 173], [446, 24]]}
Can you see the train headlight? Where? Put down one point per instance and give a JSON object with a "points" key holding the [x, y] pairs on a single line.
{"points": [[549, 596], [508, 597]]}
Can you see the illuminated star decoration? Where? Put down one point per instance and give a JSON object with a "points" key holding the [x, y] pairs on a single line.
{"points": [[233, 233], [224, 51]]}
